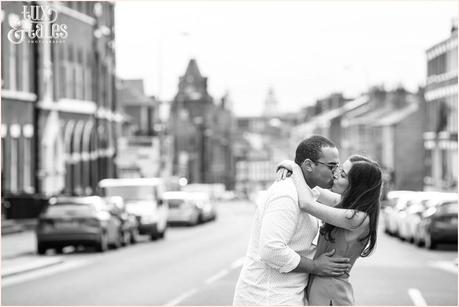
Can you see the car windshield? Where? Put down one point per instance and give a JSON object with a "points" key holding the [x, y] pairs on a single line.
{"points": [[175, 202], [131, 193], [449, 208]]}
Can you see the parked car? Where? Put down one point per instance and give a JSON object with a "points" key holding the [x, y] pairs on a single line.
{"points": [[189, 207], [129, 223], [144, 199], [439, 222], [409, 218], [396, 201], [77, 221], [182, 209]]}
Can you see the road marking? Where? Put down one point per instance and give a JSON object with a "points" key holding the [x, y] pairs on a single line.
{"points": [[447, 266], [416, 297], [182, 297], [216, 276], [16, 279], [239, 262]]}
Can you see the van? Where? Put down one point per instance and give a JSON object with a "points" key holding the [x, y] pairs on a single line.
{"points": [[143, 198]]}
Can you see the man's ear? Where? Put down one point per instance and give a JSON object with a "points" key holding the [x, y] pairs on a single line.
{"points": [[307, 165]]}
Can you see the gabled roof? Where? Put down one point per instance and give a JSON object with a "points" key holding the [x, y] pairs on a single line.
{"points": [[193, 70], [397, 116], [326, 117], [130, 92]]}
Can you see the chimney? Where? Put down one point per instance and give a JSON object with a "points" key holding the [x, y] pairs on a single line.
{"points": [[453, 26]]}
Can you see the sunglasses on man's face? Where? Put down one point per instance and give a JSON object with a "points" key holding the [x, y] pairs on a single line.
{"points": [[331, 166]]}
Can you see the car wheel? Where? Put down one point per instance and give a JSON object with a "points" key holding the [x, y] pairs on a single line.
{"points": [[118, 241], [162, 234], [41, 248], [417, 240], [428, 242], [134, 236], [154, 235], [194, 220], [126, 238], [102, 244]]}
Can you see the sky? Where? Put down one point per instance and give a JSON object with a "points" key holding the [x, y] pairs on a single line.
{"points": [[304, 50]]}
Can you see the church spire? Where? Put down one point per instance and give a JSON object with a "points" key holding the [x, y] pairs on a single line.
{"points": [[271, 104]]}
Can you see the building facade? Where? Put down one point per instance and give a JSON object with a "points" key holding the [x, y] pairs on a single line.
{"points": [[440, 136], [261, 143], [59, 109], [202, 131], [144, 148]]}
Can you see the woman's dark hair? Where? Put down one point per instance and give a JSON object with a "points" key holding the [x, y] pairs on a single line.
{"points": [[362, 194]]}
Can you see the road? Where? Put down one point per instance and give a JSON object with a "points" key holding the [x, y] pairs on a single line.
{"points": [[200, 265]]}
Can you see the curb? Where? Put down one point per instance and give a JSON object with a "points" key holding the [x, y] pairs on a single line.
{"points": [[9, 269]]}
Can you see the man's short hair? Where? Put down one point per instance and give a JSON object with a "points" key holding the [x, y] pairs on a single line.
{"points": [[311, 148]]}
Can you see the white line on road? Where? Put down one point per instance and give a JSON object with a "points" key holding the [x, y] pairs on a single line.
{"points": [[16, 279], [416, 297], [216, 276], [182, 297], [237, 263], [447, 266]]}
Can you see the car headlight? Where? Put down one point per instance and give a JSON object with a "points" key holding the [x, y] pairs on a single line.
{"points": [[429, 212]]}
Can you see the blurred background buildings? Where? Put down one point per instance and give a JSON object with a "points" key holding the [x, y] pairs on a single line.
{"points": [[68, 121]]}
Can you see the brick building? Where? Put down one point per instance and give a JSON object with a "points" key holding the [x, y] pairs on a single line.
{"points": [[59, 112], [202, 130], [260, 143], [144, 149], [440, 136]]}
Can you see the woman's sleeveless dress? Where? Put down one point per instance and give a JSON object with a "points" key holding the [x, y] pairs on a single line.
{"points": [[327, 291]]}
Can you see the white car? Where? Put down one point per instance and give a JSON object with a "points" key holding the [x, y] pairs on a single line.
{"points": [[410, 217], [189, 207], [397, 201], [143, 198]]}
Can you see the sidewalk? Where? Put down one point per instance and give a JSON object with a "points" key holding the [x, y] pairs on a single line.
{"points": [[18, 244], [19, 254], [16, 226]]}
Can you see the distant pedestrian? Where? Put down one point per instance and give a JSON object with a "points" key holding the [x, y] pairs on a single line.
{"points": [[281, 247], [350, 227]]}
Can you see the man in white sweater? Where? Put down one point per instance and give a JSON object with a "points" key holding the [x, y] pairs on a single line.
{"points": [[281, 246]]}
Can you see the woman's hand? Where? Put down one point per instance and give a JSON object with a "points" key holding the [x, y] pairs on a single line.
{"points": [[284, 169]]}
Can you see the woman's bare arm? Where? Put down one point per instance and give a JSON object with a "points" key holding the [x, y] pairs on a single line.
{"points": [[328, 197], [344, 218]]}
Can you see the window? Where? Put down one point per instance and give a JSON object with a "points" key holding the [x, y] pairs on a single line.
{"points": [[88, 77], [14, 165], [442, 116], [61, 80], [13, 56], [70, 87], [4, 163], [428, 163], [444, 165], [25, 67], [79, 90], [27, 163], [452, 106]]}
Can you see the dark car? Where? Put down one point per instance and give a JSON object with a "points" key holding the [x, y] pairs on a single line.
{"points": [[439, 224], [129, 223], [77, 221]]}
